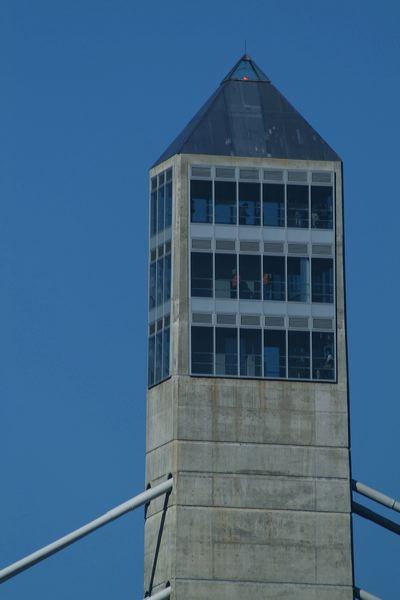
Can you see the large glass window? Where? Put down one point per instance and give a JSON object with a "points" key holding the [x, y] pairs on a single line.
{"points": [[202, 351], [323, 363], [167, 277], [273, 205], [201, 201], [298, 279], [249, 204], [226, 351], [297, 206], [165, 361], [274, 353], [160, 207], [160, 281], [322, 207], [225, 202], [322, 280], [249, 277], [226, 279], [152, 286], [299, 355], [202, 274], [250, 352], [274, 279]]}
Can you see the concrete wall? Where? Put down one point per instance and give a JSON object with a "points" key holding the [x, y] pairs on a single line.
{"points": [[261, 501]]}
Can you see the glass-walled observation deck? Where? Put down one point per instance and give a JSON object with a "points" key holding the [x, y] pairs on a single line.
{"points": [[262, 273]]}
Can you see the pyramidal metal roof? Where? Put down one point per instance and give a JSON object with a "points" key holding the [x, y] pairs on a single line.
{"points": [[248, 116]]}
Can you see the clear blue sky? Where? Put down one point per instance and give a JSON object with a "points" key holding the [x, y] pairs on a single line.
{"points": [[92, 91]]}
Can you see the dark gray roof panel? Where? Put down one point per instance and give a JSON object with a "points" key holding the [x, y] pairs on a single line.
{"points": [[253, 119]]}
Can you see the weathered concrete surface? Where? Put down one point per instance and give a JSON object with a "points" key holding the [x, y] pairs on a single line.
{"points": [[261, 501]]}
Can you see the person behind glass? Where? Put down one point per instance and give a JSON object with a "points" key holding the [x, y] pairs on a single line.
{"points": [[234, 284], [267, 285]]}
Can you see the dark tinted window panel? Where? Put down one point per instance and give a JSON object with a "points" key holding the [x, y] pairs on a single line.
{"points": [[201, 201], [225, 202], [322, 207], [151, 363], [273, 205], [167, 278], [160, 281], [250, 352], [226, 351], [249, 277], [152, 286], [298, 278], [201, 274], [299, 354], [160, 208], [249, 204], [323, 362], [153, 213], [166, 352], [202, 351], [297, 206], [168, 204], [226, 279], [274, 353], [322, 280], [274, 278]]}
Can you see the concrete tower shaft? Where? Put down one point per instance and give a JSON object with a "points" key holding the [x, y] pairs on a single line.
{"points": [[247, 404]]}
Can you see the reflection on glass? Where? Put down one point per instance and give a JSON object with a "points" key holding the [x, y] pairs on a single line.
{"points": [[323, 362], [165, 362], [153, 213], [249, 277], [299, 354], [226, 280], [322, 280], [298, 279], [273, 205], [167, 277], [274, 278], [297, 206], [250, 353], [322, 207], [226, 359], [225, 202], [249, 204], [202, 274], [202, 351], [160, 281], [201, 201], [160, 208], [152, 286], [168, 204], [274, 353]]}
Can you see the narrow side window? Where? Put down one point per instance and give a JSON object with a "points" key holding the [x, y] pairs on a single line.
{"points": [[249, 204], [273, 205], [201, 201], [299, 355], [321, 207], [202, 351], [201, 274]]}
